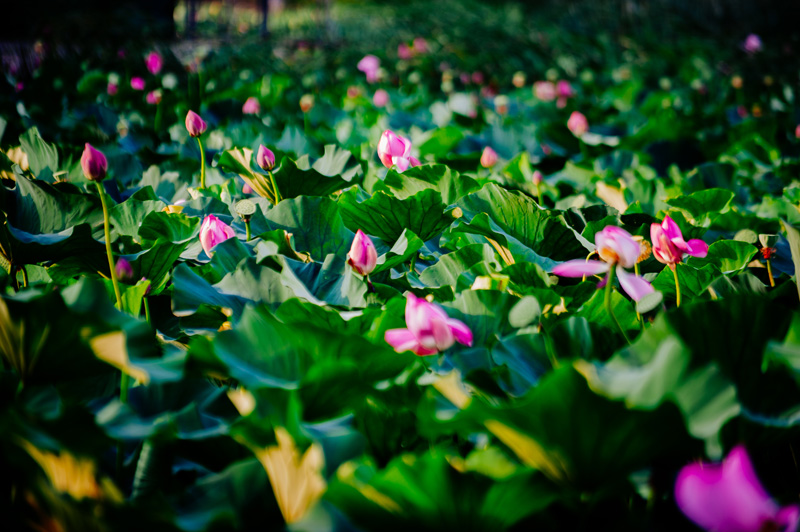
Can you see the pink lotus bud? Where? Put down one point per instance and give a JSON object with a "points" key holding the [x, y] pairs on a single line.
{"points": [[488, 157], [537, 178], [728, 497], [195, 125], [93, 163], [124, 270], [380, 98], [393, 147], [369, 65], [112, 89], [477, 77], [265, 158], [154, 97], [545, 91], [464, 77], [137, 84], [212, 232], [752, 44], [578, 124], [251, 106], [247, 189], [306, 103], [363, 256], [154, 62], [797, 132], [669, 247], [564, 89], [420, 45], [403, 51], [430, 330]]}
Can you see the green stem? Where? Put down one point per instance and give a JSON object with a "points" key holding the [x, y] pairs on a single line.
{"points": [[247, 230], [202, 164], [609, 304], [539, 193], [677, 286], [274, 187], [157, 120], [109, 254], [146, 309], [413, 263], [769, 272]]}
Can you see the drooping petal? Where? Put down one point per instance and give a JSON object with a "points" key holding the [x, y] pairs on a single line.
{"points": [[697, 248], [461, 332], [633, 285], [442, 334], [401, 340], [402, 163], [580, 267]]}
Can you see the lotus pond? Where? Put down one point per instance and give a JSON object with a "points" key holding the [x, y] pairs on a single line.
{"points": [[548, 281]]}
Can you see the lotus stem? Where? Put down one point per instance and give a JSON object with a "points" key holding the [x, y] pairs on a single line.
{"points": [[274, 187], [609, 304], [106, 226], [539, 193], [247, 230], [146, 309], [769, 273], [202, 164], [677, 286]]}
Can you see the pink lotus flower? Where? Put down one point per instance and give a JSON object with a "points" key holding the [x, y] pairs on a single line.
{"points": [[616, 247], [247, 189], [363, 256], [537, 178], [112, 88], [123, 269], [153, 97], [394, 150], [154, 62], [420, 45], [545, 91], [195, 125], [251, 106], [752, 44], [137, 84], [265, 158], [578, 124], [797, 132], [369, 65], [93, 163], [488, 157], [477, 77], [669, 247], [430, 330], [404, 51], [380, 98], [214, 231], [728, 497], [565, 92]]}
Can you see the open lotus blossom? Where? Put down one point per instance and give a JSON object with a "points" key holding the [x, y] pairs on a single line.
{"points": [[363, 257], [488, 157], [195, 125], [214, 231], [394, 150], [430, 330], [154, 62], [728, 497], [752, 44], [616, 247], [93, 163], [380, 98], [578, 124], [369, 65], [251, 106], [669, 247], [137, 84], [545, 91]]}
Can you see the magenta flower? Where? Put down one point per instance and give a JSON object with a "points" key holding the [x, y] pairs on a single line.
{"points": [[112, 89], [404, 51], [430, 330], [124, 270], [195, 125], [420, 45], [488, 157], [380, 98], [214, 231], [565, 92], [265, 158], [616, 247], [369, 65], [153, 97], [396, 150], [137, 84], [578, 124], [728, 497], [251, 106], [154, 62], [752, 44], [669, 247], [545, 91], [477, 77], [363, 257], [93, 163]]}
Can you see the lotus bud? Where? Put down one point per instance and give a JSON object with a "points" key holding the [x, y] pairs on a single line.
{"points": [[488, 157], [213, 231], [578, 124], [380, 98], [265, 158], [195, 125], [154, 97], [251, 106], [93, 163], [154, 62], [124, 270], [112, 89], [137, 84], [537, 178], [363, 256]]}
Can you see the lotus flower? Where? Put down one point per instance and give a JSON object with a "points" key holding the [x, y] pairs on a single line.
{"points": [[797, 132], [669, 247], [137, 84], [615, 246], [214, 231], [154, 97], [396, 150], [752, 44], [369, 65], [488, 157], [565, 92], [404, 51], [112, 89], [154, 62], [380, 98], [363, 256], [430, 330], [545, 91], [477, 77], [420, 45], [195, 125], [578, 124], [123, 269], [265, 158], [537, 178], [93, 163], [728, 497], [251, 106]]}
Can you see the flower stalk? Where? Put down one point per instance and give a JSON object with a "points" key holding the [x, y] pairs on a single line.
{"points": [[202, 164], [677, 286], [609, 303]]}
